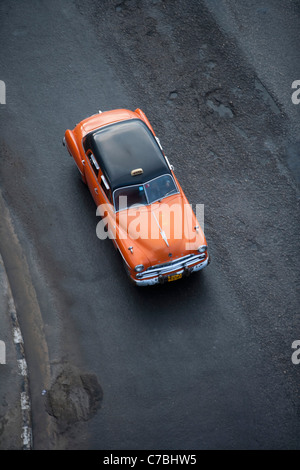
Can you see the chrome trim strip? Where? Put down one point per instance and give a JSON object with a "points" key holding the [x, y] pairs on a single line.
{"points": [[161, 231], [155, 280], [181, 263]]}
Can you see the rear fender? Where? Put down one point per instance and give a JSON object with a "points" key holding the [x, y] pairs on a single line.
{"points": [[144, 118]]}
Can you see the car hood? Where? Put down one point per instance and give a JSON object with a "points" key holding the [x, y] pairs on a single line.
{"points": [[163, 231]]}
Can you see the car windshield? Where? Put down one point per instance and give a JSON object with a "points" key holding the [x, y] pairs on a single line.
{"points": [[143, 194]]}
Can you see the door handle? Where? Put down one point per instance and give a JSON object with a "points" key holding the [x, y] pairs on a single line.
{"points": [[96, 190]]}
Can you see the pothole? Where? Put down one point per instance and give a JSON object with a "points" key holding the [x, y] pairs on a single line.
{"points": [[74, 396], [173, 95]]}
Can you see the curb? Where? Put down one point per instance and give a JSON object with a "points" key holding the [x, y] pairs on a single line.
{"points": [[25, 401]]}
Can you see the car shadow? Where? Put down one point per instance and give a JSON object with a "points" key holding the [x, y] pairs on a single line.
{"points": [[176, 298]]}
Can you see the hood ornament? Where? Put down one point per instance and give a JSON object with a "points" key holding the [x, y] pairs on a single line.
{"points": [[163, 235], [164, 238]]}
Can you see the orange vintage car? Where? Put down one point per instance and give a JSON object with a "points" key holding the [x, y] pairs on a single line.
{"points": [[143, 208]]}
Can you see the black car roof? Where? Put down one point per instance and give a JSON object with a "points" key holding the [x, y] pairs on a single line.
{"points": [[125, 146]]}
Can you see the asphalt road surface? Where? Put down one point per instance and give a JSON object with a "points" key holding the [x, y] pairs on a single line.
{"points": [[202, 363]]}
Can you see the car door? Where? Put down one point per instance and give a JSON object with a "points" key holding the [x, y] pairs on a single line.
{"points": [[107, 212], [101, 193]]}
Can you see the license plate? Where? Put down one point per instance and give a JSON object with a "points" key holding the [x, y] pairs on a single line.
{"points": [[174, 277]]}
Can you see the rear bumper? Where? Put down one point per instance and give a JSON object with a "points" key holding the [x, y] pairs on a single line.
{"points": [[162, 278]]}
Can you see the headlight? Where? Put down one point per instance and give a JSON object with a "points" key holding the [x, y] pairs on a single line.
{"points": [[139, 268], [202, 248]]}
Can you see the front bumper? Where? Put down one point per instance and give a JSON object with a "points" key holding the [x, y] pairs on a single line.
{"points": [[183, 267]]}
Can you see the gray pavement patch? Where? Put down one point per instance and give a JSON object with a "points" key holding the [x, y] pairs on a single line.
{"points": [[74, 396]]}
